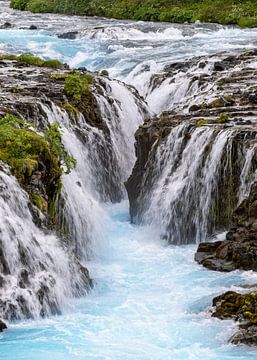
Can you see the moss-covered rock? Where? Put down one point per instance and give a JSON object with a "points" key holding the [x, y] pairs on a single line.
{"points": [[242, 308]]}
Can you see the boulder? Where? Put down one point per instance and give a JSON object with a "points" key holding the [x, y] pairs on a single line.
{"points": [[3, 326], [70, 35]]}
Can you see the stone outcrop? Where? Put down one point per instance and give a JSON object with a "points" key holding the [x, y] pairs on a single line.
{"points": [[241, 308], [239, 249]]}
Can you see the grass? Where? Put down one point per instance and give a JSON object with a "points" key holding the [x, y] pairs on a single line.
{"points": [[243, 13]]}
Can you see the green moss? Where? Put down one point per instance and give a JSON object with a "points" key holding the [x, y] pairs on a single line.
{"points": [[223, 118], [201, 122], [15, 90], [72, 111], [104, 73], [77, 85], [235, 305], [8, 57], [34, 60], [26, 151], [37, 200], [23, 149]]}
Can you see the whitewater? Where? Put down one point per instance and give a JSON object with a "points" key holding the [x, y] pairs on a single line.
{"points": [[150, 300]]}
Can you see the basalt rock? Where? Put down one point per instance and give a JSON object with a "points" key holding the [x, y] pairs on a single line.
{"points": [[241, 308], [71, 35], [3, 326], [239, 250]]}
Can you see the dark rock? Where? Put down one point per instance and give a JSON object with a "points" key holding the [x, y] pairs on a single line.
{"points": [[242, 308], [33, 27], [246, 336], [71, 35], [3, 326], [218, 66], [239, 250], [6, 25]]}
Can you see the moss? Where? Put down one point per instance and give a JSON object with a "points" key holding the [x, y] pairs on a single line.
{"points": [[217, 103], [223, 118], [104, 73], [15, 90], [72, 111], [201, 122], [238, 306], [77, 85], [34, 60], [25, 151], [37, 200]]}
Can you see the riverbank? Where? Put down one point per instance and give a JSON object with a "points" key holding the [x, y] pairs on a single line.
{"points": [[217, 11]]}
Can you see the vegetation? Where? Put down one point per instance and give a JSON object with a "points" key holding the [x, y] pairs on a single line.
{"points": [[77, 85], [223, 118], [238, 306], [23, 149], [201, 122], [241, 12], [34, 60], [26, 151]]}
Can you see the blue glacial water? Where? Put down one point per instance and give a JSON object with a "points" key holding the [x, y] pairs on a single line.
{"points": [[150, 301]]}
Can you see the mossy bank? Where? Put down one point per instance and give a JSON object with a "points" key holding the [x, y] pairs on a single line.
{"points": [[243, 13]]}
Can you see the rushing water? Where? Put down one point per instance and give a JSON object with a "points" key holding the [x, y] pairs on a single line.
{"points": [[150, 301]]}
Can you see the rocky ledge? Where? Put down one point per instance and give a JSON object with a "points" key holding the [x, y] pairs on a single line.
{"points": [[221, 97]]}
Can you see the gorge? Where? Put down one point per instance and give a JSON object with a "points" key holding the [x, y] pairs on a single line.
{"points": [[80, 276]]}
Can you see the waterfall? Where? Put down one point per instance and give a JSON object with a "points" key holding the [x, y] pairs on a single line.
{"points": [[40, 272], [37, 274], [105, 157], [198, 176]]}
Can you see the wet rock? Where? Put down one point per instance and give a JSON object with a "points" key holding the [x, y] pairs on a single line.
{"points": [[70, 35], [3, 326], [33, 27], [241, 308], [239, 250], [6, 25]]}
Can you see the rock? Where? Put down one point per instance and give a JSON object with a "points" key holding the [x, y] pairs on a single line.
{"points": [[6, 25], [242, 308], [71, 35], [239, 250], [3, 326], [246, 336], [33, 27]]}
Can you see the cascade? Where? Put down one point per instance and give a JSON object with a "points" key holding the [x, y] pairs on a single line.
{"points": [[38, 276], [209, 168]]}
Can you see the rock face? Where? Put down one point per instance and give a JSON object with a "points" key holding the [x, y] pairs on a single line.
{"points": [[242, 308], [213, 125], [239, 250]]}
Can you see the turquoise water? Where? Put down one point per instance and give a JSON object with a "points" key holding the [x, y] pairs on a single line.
{"points": [[150, 301]]}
